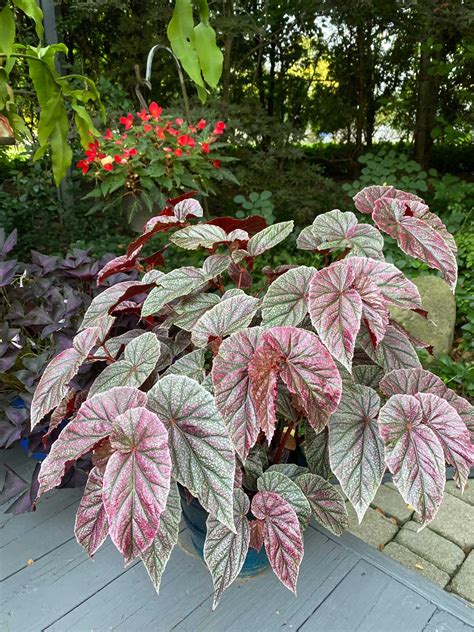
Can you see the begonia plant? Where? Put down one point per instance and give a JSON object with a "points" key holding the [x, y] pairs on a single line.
{"points": [[224, 386]]}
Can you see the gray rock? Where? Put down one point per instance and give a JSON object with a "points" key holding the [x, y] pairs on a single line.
{"points": [[416, 563], [443, 553], [467, 496], [463, 583], [375, 528], [438, 300], [392, 504], [454, 521]]}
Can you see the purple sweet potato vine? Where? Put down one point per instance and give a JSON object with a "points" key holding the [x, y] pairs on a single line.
{"points": [[216, 388]]}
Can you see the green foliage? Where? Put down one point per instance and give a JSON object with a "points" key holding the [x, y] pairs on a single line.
{"points": [[256, 204]]}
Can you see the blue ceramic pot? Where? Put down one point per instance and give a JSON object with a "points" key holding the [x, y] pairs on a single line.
{"points": [[195, 517]]}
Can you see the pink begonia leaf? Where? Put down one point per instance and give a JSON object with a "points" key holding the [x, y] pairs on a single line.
{"points": [[308, 371], [307, 239], [422, 212], [355, 448], [198, 236], [279, 483], [413, 454], [327, 504], [393, 284], [53, 384], [136, 480], [92, 526], [225, 551], [92, 423], [187, 208], [177, 283], [256, 534], [413, 381], [135, 366], [232, 388], [317, 452], [224, 319], [367, 375], [201, 450], [415, 237], [215, 265], [192, 365], [263, 373], [335, 308], [158, 553], [374, 307], [119, 264], [286, 300], [452, 434], [281, 535], [365, 200], [104, 301], [269, 237], [394, 351]]}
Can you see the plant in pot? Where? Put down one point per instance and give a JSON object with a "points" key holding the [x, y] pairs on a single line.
{"points": [[228, 383], [152, 157]]}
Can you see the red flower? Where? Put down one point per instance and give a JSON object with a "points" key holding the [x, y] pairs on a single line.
{"points": [[220, 127], [127, 121], [191, 141], [83, 165], [217, 164], [133, 152], [107, 166], [202, 124], [142, 115], [172, 131], [179, 122], [192, 129], [183, 140], [118, 159], [205, 148], [147, 127], [178, 152], [159, 132], [108, 134], [155, 110]]}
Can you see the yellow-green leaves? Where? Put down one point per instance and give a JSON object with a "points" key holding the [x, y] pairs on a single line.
{"points": [[32, 10], [7, 30]]}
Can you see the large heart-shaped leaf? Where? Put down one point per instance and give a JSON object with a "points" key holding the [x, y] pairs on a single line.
{"points": [[307, 369], [224, 550], [191, 365], [201, 235], [158, 553], [316, 450], [422, 212], [281, 535], [92, 525], [374, 307], [232, 388], [224, 319], [136, 480], [268, 238], [139, 359], [104, 301], [365, 200], [335, 308], [356, 450], [415, 237], [279, 483], [92, 423], [201, 450], [326, 502], [177, 283], [412, 381], [285, 302], [393, 351], [413, 454], [53, 384], [452, 434]]}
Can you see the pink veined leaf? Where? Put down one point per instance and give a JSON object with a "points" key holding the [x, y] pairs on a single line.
{"points": [[92, 526], [201, 451], [136, 480], [92, 423], [327, 504], [355, 448], [307, 239], [53, 384], [263, 373], [286, 300], [269, 237], [393, 351], [335, 308], [413, 381], [198, 236], [232, 388], [413, 454], [308, 371], [256, 534], [119, 264], [281, 535], [365, 200], [104, 301], [422, 212], [177, 283], [224, 319], [276, 481], [215, 265], [158, 553], [415, 237], [393, 284], [374, 307], [187, 208], [224, 550], [452, 434]]}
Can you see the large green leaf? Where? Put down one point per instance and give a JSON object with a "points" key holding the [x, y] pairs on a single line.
{"points": [[209, 54], [181, 36], [7, 30], [33, 11]]}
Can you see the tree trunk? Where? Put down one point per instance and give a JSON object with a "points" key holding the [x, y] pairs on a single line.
{"points": [[428, 95], [229, 9]]}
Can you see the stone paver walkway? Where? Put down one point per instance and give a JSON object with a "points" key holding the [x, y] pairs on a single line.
{"points": [[442, 552]]}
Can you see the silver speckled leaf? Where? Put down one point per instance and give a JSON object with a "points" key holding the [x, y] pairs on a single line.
{"points": [[285, 302], [279, 483], [224, 319]]}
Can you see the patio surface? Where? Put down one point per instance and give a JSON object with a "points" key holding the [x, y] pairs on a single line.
{"points": [[48, 583]]}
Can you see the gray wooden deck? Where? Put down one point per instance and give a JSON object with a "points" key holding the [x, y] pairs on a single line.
{"points": [[344, 585]]}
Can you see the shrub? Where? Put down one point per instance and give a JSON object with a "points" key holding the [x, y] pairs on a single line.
{"points": [[223, 386]]}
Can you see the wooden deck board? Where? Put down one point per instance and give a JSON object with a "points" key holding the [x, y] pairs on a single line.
{"points": [[344, 585]]}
